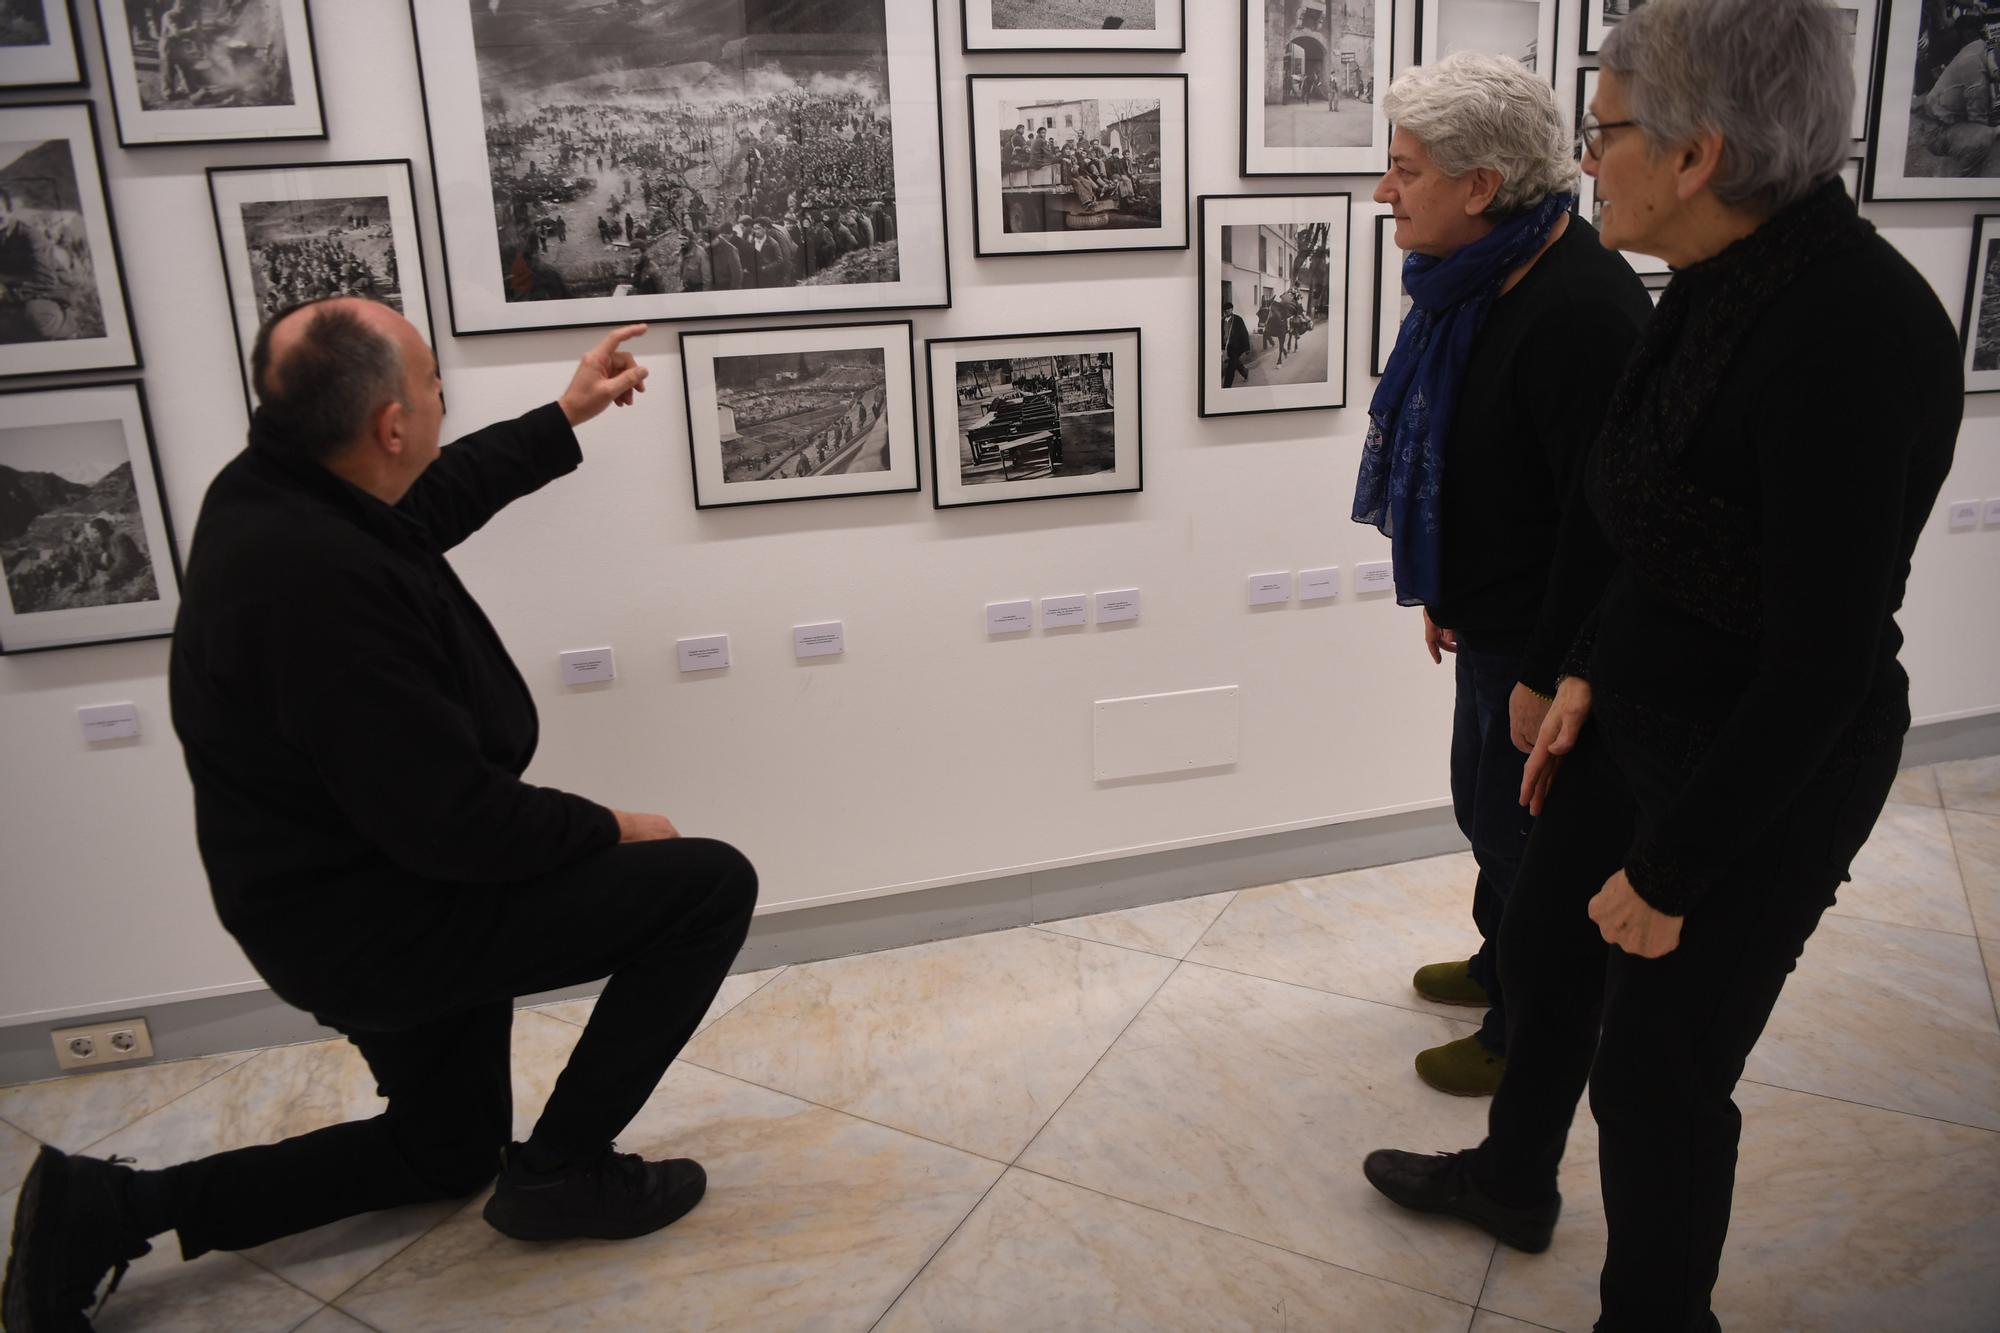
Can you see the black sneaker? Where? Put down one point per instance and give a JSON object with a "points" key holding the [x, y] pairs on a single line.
{"points": [[1443, 1184], [615, 1197], [70, 1229]]}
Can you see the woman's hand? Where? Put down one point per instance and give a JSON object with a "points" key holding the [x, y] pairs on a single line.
{"points": [[1435, 638], [1560, 730], [1526, 711], [1630, 922]]}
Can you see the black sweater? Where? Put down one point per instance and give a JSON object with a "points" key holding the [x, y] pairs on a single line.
{"points": [[352, 722]]}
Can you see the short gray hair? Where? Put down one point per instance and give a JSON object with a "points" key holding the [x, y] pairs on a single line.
{"points": [[320, 395], [1773, 77], [1473, 110]]}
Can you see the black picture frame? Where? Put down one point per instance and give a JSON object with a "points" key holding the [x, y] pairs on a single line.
{"points": [[1594, 22], [1251, 399], [1379, 345], [1548, 20], [139, 126], [1891, 132], [1027, 425], [1646, 266], [24, 69], [994, 215], [83, 627], [1982, 292], [1867, 26], [1334, 160], [967, 16], [895, 415], [473, 312]]}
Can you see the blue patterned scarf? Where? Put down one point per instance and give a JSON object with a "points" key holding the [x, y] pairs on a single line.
{"points": [[1401, 487]]}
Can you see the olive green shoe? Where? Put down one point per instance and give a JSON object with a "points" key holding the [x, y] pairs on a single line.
{"points": [[1450, 983], [1462, 1068]]}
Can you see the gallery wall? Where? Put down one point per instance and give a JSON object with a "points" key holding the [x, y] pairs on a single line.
{"points": [[926, 754]]}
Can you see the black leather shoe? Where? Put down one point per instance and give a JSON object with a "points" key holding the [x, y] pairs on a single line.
{"points": [[617, 1196], [70, 1229], [1442, 1183]]}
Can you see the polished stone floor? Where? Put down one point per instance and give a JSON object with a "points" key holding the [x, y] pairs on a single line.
{"points": [[1152, 1120]]}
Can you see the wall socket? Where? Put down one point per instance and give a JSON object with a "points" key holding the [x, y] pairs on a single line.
{"points": [[103, 1044]]}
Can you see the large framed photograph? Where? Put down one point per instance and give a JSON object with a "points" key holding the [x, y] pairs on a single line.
{"points": [[1074, 25], [1597, 20], [1587, 206], [1979, 330], [1392, 300], [1858, 20], [1523, 29], [801, 413], [38, 45], [62, 284], [1068, 164], [87, 551], [1933, 83], [683, 159], [1274, 271], [1313, 78], [1034, 417], [305, 231], [210, 71]]}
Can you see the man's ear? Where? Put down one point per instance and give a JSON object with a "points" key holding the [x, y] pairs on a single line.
{"points": [[386, 428]]}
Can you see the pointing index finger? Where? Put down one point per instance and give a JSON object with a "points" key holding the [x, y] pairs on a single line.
{"points": [[620, 335]]}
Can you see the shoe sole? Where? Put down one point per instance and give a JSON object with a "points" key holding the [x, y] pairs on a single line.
{"points": [[16, 1309], [1455, 1092], [586, 1228]]}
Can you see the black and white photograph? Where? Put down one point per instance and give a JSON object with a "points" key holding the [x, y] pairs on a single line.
{"points": [[1523, 29], [1314, 72], [1063, 165], [62, 290], [305, 231], [1937, 90], [1392, 299], [38, 45], [86, 548], [682, 159], [1598, 19], [1979, 330], [800, 413], [1587, 206], [1857, 18], [211, 71], [1074, 25], [1274, 271], [1034, 417]]}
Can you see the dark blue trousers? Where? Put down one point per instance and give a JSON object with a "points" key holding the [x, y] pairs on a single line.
{"points": [[1486, 798]]}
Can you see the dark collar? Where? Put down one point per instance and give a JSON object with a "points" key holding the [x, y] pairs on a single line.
{"points": [[387, 522]]}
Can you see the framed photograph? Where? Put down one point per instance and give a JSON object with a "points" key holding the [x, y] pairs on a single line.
{"points": [[304, 231], [1858, 18], [87, 551], [1850, 176], [1274, 270], [1524, 29], [1313, 75], [1074, 25], [683, 159], [38, 45], [210, 71], [1928, 136], [1587, 207], [1979, 330], [62, 284], [1034, 417], [1392, 303], [803, 413], [1077, 163], [1599, 17]]}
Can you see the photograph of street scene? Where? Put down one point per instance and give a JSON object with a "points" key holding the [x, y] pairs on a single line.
{"points": [[306, 249], [208, 53], [1079, 164], [802, 414], [1074, 14], [1319, 63], [1954, 96], [1276, 276], [48, 283], [71, 530], [685, 146], [1034, 417]]}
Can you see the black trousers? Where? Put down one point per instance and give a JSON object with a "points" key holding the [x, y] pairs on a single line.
{"points": [[1663, 1041], [432, 1014], [1486, 800]]}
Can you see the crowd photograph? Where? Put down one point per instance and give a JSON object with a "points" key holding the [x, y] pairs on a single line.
{"points": [[802, 414], [22, 23], [48, 284], [1034, 417], [1080, 161], [209, 53], [304, 250]]}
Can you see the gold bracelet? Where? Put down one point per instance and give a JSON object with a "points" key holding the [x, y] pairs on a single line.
{"points": [[1545, 698]]}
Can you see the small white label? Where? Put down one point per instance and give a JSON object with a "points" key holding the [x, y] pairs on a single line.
{"points": [[705, 654], [108, 722], [1064, 612], [1266, 589], [1964, 515], [1993, 513], [587, 666], [1010, 617], [819, 640], [1119, 604], [1316, 585], [1375, 576]]}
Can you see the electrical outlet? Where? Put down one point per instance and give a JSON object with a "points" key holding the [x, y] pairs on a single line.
{"points": [[102, 1044]]}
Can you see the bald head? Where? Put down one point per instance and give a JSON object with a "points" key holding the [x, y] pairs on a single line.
{"points": [[323, 371]]}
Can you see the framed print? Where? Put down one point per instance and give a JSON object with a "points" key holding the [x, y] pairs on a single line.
{"points": [[1034, 417], [1587, 207], [1074, 25], [210, 71], [1979, 330], [1392, 303], [1274, 271], [1313, 74], [1524, 29], [1857, 19], [301, 232], [683, 159], [38, 45], [87, 551], [1599, 17], [800, 413], [1850, 176], [62, 285], [1075, 163], [1928, 136]]}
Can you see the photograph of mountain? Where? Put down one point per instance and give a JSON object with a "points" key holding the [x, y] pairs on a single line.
{"points": [[71, 530]]}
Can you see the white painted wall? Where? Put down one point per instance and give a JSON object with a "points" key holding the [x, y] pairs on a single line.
{"points": [[927, 754]]}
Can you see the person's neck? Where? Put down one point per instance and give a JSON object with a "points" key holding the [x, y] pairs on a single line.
{"points": [[1710, 228], [355, 466], [1555, 234]]}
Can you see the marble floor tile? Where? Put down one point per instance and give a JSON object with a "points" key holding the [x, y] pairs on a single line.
{"points": [[1907, 874], [17, 1154], [1248, 1104], [1971, 784], [1040, 1254], [76, 1111], [973, 1042], [1891, 1017], [1847, 1219], [1486, 1321], [1977, 841], [1916, 786], [813, 1219], [1991, 949], [161, 1294], [736, 988], [1168, 929], [1361, 933], [331, 1320]]}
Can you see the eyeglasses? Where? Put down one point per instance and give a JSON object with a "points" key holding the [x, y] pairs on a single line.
{"points": [[1591, 135]]}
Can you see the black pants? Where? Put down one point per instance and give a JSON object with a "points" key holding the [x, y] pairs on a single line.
{"points": [[1675, 1031], [1486, 800], [432, 1014]]}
